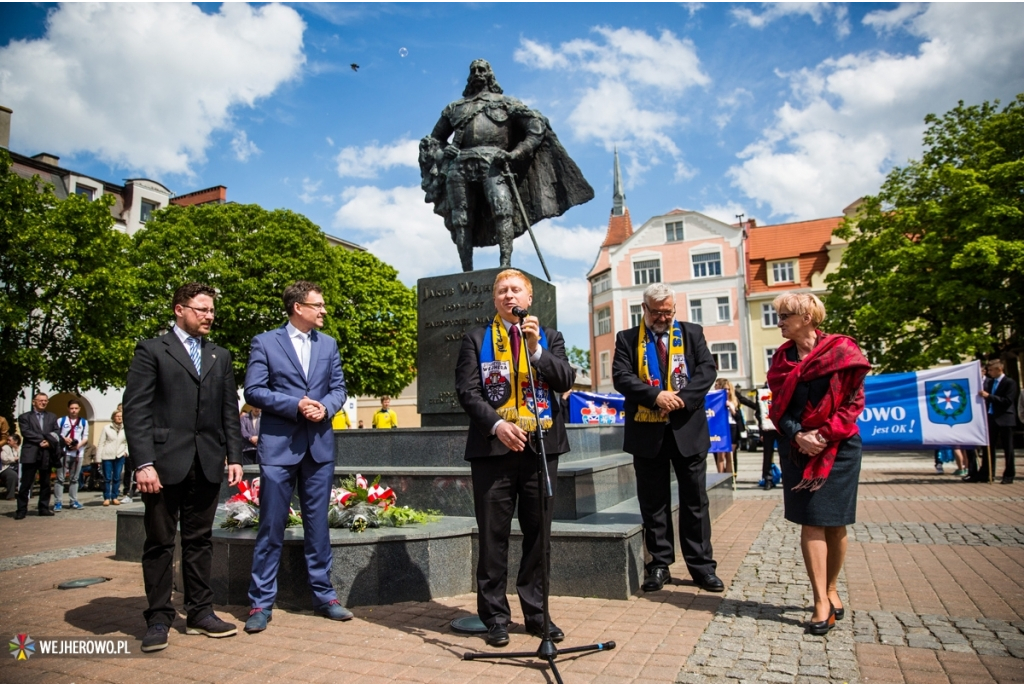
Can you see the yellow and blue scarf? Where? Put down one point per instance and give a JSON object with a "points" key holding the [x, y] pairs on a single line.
{"points": [[507, 382], [647, 359]]}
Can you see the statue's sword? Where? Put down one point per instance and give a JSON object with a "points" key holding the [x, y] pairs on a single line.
{"points": [[526, 219]]}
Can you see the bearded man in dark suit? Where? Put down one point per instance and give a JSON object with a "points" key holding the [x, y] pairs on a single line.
{"points": [[181, 421], [664, 370], [491, 379]]}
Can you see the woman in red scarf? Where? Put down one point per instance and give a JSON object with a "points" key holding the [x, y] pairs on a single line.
{"points": [[817, 384]]}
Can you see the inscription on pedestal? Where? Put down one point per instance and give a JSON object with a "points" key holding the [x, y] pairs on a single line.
{"points": [[448, 306]]}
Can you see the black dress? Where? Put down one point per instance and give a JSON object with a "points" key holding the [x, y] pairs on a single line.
{"points": [[835, 503]]}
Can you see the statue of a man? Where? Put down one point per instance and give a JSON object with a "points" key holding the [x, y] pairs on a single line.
{"points": [[496, 141]]}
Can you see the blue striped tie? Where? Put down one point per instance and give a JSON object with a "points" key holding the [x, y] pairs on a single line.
{"points": [[195, 351]]}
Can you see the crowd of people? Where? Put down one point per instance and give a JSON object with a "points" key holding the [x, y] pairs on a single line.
{"points": [[180, 426]]}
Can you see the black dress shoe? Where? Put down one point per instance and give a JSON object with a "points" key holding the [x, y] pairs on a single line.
{"points": [[18, 515], [711, 583], [46, 512], [1006, 481], [656, 579], [497, 635], [822, 627], [556, 633], [768, 484]]}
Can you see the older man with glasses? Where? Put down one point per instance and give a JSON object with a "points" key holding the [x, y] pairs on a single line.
{"points": [[664, 370]]}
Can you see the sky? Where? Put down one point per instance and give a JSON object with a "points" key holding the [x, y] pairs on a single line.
{"points": [[780, 112]]}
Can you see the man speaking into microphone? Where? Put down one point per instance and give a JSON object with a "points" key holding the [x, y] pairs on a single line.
{"points": [[492, 381]]}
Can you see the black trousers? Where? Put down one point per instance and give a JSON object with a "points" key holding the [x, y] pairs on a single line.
{"points": [[1000, 437], [498, 484], [28, 477], [768, 439], [194, 502], [653, 490], [9, 477]]}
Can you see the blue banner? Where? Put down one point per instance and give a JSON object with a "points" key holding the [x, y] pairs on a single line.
{"points": [[718, 421], [924, 409]]}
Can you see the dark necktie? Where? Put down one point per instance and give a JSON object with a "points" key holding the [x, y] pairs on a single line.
{"points": [[513, 334], [662, 354]]}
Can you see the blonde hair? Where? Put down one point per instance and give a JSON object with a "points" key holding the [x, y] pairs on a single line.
{"points": [[725, 383], [513, 273], [802, 304]]}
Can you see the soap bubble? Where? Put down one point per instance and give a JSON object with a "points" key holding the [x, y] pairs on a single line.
{"points": [[402, 52]]}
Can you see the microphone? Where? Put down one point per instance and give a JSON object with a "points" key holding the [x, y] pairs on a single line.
{"points": [[520, 312]]}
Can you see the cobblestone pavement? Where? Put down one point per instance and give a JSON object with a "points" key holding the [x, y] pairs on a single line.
{"points": [[757, 634], [939, 533], [939, 597]]}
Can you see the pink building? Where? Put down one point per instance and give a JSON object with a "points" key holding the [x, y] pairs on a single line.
{"points": [[699, 257]]}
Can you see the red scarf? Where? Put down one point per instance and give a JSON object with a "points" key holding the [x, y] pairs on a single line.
{"points": [[835, 416]]}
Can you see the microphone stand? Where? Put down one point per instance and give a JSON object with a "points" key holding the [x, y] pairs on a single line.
{"points": [[547, 650]]}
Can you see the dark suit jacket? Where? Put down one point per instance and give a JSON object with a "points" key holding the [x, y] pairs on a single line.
{"points": [[31, 436], [690, 424], [1003, 401], [171, 414], [557, 372]]}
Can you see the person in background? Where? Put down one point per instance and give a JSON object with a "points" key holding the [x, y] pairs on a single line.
{"points": [[38, 454], [817, 384], [385, 417], [74, 434], [361, 424], [5, 430], [341, 421], [1000, 394], [9, 454], [250, 425], [769, 436], [112, 451], [724, 460]]}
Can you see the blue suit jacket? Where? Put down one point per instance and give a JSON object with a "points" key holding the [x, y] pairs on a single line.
{"points": [[274, 382]]}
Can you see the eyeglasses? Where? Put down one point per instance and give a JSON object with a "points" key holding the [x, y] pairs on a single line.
{"points": [[201, 311], [785, 315], [660, 313], [316, 305]]}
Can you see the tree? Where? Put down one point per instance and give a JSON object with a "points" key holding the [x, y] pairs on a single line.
{"points": [[67, 290], [250, 255], [579, 357], [935, 266]]}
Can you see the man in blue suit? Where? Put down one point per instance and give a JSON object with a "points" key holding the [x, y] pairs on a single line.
{"points": [[295, 377]]}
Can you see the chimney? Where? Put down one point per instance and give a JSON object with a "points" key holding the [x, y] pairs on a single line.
{"points": [[47, 158], [751, 223], [5, 127]]}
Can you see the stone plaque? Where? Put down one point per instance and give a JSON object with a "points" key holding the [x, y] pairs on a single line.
{"points": [[448, 306]]}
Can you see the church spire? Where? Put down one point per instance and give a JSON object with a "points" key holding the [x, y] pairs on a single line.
{"points": [[618, 197]]}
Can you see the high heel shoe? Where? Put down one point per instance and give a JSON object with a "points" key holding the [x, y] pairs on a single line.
{"points": [[840, 612], [822, 627]]}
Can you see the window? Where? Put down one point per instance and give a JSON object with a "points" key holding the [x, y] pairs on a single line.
{"points": [[605, 372], [604, 321], [725, 356], [602, 283], [782, 272], [724, 310], [674, 231], [769, 317], [86, 192], [646, 271], [696, 314], [769, 352], [707, 264], [636, 313], [147, 211]]}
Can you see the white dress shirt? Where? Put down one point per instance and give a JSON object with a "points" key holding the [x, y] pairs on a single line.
{"points": [[301, 343]]}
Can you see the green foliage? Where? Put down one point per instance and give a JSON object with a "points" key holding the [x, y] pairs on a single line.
{"points": [[402, 516], [67, 290], [935, 267], [250, 255], [579, 357]]}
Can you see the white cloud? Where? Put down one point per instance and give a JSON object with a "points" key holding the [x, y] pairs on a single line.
{"points": [[243, 147], [400, 228], [693, 7], [369, 160], [571, 300], [145, 85], [631, 83], [887, 21], [853, 117], [575, 243], [817, 11], [309, 193], [725, 213]]}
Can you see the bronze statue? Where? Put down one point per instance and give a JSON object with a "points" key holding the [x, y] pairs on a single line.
{"points": [[503, 170]]}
